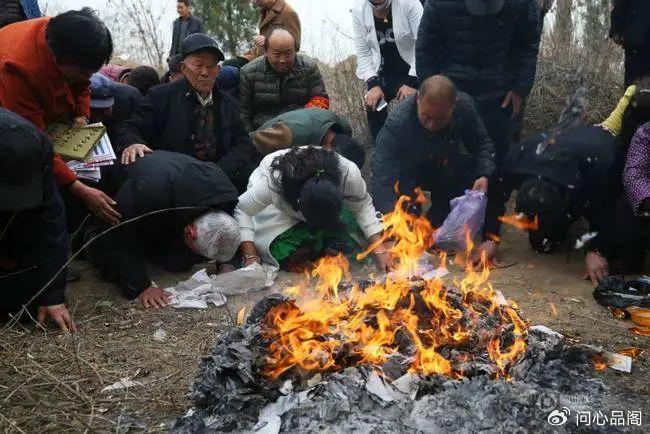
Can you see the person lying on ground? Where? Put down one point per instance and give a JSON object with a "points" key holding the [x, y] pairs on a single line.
{"points": [[312, 126], [192, 116], [434, 140], [45, 69], [278, 82], [303, 203], [174, 240], [33, 234]]}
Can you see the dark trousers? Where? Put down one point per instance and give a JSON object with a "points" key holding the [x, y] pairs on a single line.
{"points": [[390, 85], [33, 249], [497, 121], [637, 63], [633, 238]]}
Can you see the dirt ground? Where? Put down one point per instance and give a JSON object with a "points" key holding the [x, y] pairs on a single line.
{"points": [[52, 382]]}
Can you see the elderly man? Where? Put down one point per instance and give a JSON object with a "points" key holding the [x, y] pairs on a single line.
{"points": [[33, 234], [44, 71], [434, 140], [274, 14], [279, 82], [197, 225], [192, 116]]}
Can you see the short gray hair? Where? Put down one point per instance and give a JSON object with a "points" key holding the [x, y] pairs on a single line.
{"points": [[217, 236]]}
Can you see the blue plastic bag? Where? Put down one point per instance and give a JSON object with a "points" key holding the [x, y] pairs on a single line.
{"points": [[467, 215]]}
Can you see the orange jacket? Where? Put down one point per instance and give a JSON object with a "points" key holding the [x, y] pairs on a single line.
{"points": [[32, 86]]}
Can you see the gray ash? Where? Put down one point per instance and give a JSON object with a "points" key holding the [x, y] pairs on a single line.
{"points": [[231, 393]]}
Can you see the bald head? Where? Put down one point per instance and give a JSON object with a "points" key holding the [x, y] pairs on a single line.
{"points": [[438, 88], [436, 102], [279, 37], [280, 48]]}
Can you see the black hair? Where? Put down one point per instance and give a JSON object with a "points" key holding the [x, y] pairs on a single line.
{"points": [[91, 50], [143, 78], [637, 112], [349, 148], [547, 202], [267, 40], [187, 2], [309, 179]]}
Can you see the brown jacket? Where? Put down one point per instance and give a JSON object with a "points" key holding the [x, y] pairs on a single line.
{"points": [[281, 14]]}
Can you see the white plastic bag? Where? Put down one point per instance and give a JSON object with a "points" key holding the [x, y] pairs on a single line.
{"points": [[467, 216]]}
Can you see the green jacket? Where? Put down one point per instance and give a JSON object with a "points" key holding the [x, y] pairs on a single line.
{"points": [[300, 127], [265, 94]]}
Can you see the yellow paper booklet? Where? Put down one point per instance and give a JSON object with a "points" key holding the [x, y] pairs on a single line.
{"points": [[75, 144]]}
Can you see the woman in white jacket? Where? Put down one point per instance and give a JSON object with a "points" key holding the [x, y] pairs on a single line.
{"points": [[385, 32], [294, 204]]}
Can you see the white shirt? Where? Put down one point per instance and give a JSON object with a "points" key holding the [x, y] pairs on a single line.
{"points": [[406, 21]]}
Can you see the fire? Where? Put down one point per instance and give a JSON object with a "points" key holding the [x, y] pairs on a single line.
{"points": [[599, 362], [521, 221], [436, 330]]}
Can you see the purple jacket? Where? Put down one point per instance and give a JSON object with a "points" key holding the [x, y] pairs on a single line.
{"points": [[636, 176]]}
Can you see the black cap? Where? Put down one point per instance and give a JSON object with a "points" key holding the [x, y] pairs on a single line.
{"points": [[198, 42], [21, 163], [484, 7]]}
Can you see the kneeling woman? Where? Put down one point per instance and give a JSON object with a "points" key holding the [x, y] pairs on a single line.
{"points": [[302, 203]]}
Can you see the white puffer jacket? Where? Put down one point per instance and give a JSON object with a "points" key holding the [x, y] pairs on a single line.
{"points": [[406, 21]]}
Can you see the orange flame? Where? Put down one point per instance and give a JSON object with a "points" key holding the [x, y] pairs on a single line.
{"points": [[599, 362], [337, 328], [520, 221], [633, 352]]}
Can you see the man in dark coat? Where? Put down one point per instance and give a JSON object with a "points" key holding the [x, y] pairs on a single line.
{"points": [[434, 140], [630, 28], [192, 116], [33, 233], [578, 176], [175, 239], [185, 25], [488, 48]]}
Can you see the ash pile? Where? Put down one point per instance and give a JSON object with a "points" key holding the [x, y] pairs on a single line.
{"points": [[234, 391]]}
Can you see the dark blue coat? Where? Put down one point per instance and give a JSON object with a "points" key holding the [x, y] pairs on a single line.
{"points": [[407, 153], [486, 56]]}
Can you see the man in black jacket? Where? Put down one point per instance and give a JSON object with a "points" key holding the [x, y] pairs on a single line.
{"points": [[488, 48], [174, 239], [185, 25], [193, 117], [580, 175], [33, 233], [434, 140], [630, 28]]}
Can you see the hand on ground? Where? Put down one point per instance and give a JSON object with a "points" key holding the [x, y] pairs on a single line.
{"points": [[59, 314], [155, 298], [596, 268]]}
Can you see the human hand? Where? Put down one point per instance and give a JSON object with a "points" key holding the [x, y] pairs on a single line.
{"points": [[259, 40], [79, 122], [97, 202], [130, 154], [372, 98], [487, 248], [596, 267], [385, 261], [59, 314], [481, 184], [515, 100], [404, 92], [155, 298]]}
